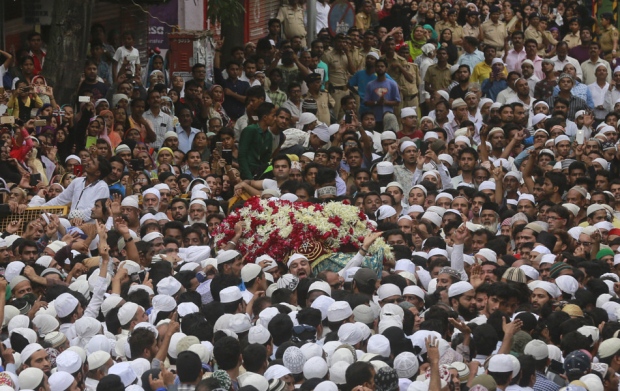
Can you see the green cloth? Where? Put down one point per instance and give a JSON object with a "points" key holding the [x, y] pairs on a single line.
{"points": [[415, 47], [604, 252], [254, 150], [337, 261]]}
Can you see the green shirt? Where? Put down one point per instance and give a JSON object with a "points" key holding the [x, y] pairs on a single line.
{"points": [[254, 150]]}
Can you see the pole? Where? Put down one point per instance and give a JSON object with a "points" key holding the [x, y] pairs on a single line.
{"points": [[311, 17]]}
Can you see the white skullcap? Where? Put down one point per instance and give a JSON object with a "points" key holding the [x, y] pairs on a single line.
{"points": [[458, 288], [153, 191], [131, 201], [407, 144], [567, 284], [487, 185], [561, 138], [463, 139], [429, 135], [488, 254]]}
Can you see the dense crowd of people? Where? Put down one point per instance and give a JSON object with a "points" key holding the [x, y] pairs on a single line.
{"points": [[480, 140]]}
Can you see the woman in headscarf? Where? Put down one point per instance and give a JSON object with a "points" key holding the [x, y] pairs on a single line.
{"points": [[45, 92], [101, 104], [418, 39], [201, 143], [217, 94], [114, 138], [156, 63]]}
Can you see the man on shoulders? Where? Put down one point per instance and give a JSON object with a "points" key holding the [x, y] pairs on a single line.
{"points": [[84, 191]]}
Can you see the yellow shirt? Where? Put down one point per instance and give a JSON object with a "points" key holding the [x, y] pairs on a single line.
{"points": [[482, 71]]}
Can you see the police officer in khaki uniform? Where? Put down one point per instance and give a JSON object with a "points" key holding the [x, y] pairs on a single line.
{"points": [[292, 18], [398, 70], [457, 30], [494, 32], [359, 54], [340, 65], [542, 38], [323, 100], [609, 37], [573, 38]]}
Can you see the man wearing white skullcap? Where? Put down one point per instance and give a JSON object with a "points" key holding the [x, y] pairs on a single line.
{"points": [[130, 210], [35, 356], [197, 212], [150, 200], [462, 298]]}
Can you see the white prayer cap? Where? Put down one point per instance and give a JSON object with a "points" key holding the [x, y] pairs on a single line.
{"points": [[127, 312], [561, 138], [125, 371], [388, 290], [30, 378], [65, 304], [152, 236], [414, 290], [488, 254], [433, 218], [458, 288], [230, 294], [250, 272], [258, 334], [463, 139], [501, 363], [131, 201], [379, 344], [384, 212], [430, 135], [68, 361], [487, 185], [339, 310], [74, 157], [407, 144], [567, 284], [153, 191], [168, 286]]}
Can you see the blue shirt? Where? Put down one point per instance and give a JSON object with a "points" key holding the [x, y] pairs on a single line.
{"points": [[185, 141], [375, 89], [492, 89], [360, 80], [580, 90], [471, 59]]}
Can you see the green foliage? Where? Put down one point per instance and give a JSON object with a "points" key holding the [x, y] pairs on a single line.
{"points": [[227, 11]]}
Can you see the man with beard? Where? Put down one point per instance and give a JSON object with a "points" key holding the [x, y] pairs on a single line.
{"points": [[197, 212], [35, 356], [382, 94], [466, 161], [150, 200], [130, 211], [462, 298], [462, 77], [113, 179], [489, 216], [299, 266], [281, 168], [230, 262], [543, 295], [178, 209]]}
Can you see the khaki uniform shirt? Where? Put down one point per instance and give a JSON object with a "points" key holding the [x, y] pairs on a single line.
{"points": [[323, 102], [292, 19], [337, 67], [607, 39], [362, 21], [396, 74], [457, 33], [471, 31], [439, 79], [572, 40], [494, 34], [441, 25]]}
